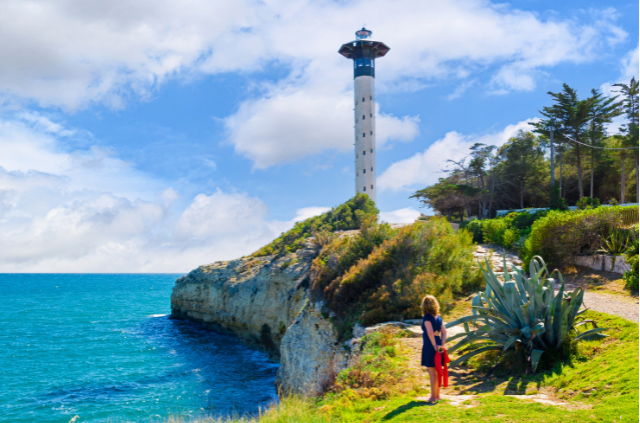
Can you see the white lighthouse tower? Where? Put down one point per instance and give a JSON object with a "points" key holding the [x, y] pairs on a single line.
{"points": [[364, 51]]}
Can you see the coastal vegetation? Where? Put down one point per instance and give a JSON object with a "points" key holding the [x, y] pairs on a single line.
{"points": [[381, 274], [559, 235], [347, 216]]}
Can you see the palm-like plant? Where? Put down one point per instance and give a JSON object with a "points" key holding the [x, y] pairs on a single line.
{"points": [[616, 243], [524, 311]]}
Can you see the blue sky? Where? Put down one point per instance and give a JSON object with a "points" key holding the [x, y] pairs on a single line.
{"points": [[160, 135]]}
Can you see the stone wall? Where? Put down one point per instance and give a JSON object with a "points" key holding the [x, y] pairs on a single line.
{"points": [[604, 263]]}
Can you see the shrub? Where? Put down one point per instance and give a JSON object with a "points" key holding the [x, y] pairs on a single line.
{"points": [[349, 215], [524, 221], [379, 371], [382, 275], [587, 203], [560, 235], [508, 230], [631, 276], [523, 314], [493, 230], [475, 228], [509, 238]]}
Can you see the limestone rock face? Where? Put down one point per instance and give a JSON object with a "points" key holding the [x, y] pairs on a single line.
{"points": [[265, 302], [253, 298], [310, 355]]}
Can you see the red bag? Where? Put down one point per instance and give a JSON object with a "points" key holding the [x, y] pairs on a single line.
{"points": [[441, 359]]}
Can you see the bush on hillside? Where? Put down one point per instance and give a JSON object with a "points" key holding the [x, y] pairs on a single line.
{"points": [[493, 230], [505, 231], [631, 276], [388, 282], [379, 371], [560, 235], [349, 215], [587, 203], [345, 252], [475, 228]]}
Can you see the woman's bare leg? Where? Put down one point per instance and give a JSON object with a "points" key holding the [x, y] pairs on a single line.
{"points": [[433, 379]]}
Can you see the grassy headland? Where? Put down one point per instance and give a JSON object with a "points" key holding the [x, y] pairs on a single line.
{"points": [[379, 274], [599, 384]]}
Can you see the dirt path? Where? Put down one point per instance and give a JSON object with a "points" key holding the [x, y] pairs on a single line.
{"points": [[627, 308], [465, 385]]}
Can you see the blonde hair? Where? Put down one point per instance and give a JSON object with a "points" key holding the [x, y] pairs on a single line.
{"points": [[430, 305]]}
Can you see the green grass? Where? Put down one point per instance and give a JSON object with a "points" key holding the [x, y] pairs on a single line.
{"points": [[601, 385], [490, 408]]}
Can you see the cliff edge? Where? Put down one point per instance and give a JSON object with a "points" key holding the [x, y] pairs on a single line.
{"points": [[264, 301]]}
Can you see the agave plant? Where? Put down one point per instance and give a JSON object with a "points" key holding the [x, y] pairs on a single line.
{"points": [[616, 243], [524, 311]]}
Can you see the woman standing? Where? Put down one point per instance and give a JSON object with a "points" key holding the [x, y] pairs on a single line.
{"points": [[434, 336]]}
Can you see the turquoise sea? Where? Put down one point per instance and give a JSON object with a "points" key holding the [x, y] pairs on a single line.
{"points": [[102, 347]]}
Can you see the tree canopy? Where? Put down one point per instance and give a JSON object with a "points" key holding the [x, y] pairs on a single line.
{"points": [[518, 173]]}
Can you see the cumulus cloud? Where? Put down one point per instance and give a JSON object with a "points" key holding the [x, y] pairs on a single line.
{"points": [[628, 69], [29, 141], [46, 227], [293, 123], [307, 212], [426, 167], [71, 54], [89, 211], [405, 215], [629, 65]]}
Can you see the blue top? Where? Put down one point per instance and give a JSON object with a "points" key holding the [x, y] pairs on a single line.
{"points": [[428, 352], [436, 323]]}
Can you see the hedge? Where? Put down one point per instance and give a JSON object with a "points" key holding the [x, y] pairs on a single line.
{"points": [[560, 235]]}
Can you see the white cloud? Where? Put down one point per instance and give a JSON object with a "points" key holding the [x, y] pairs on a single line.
{"points": [[307, 212], [45, 227], [628, 69], [425, 168], [405, 215], [91, 212], [73, 53], [34, 142], [295, 122], [629, 65]]}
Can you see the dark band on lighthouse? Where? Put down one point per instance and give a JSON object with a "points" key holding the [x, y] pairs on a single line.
{"points": [[364, 53]]}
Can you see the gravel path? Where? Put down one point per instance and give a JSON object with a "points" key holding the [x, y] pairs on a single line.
{"points": [[625, 307]]}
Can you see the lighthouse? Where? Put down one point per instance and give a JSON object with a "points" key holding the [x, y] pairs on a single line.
{"points": [[364, 51]]}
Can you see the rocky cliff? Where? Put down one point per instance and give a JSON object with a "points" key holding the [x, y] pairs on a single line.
{"points": [[265, 302]]}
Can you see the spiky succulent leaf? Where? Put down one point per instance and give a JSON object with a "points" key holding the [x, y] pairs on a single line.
{"points": [[524, 310], [535, 358], [467, 356]]}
